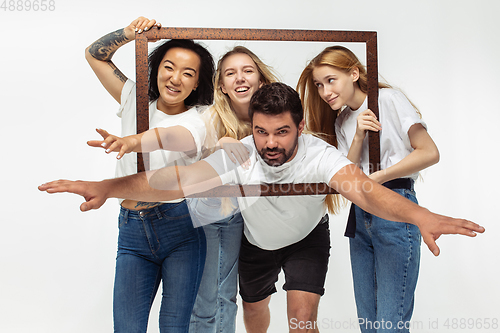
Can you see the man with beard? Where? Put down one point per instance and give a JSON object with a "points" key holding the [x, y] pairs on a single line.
{"points": [[288, 232]]}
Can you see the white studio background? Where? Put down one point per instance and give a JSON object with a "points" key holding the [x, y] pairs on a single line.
{"points": [[58, 263]]}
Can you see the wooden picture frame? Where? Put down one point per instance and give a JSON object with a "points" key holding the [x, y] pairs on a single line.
{"points": [[328, 36]]}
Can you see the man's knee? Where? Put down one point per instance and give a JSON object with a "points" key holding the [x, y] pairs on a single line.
{"points": [[255, 308], [304, 313], [303, 306]]}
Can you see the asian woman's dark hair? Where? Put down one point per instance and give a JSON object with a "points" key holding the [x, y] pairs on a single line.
{"points": [[204, 93]]}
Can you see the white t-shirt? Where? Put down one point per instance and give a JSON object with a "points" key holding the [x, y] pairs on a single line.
{"points": [[396, 114], [189, 119], [275, 222]]}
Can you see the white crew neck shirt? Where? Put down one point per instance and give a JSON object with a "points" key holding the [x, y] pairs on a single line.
{"points": [[190, 119], [273, 222], [396, 114]]}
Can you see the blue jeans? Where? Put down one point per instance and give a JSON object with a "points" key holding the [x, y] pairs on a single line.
{"points": [[215, 307], [156, 245], [385, 258]]}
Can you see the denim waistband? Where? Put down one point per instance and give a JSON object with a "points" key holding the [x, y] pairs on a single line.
{"points": [[398, 183], [403, 183], [125, 212]]}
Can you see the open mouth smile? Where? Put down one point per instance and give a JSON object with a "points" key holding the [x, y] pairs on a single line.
{"points": [[173, 89], [242, 89]]}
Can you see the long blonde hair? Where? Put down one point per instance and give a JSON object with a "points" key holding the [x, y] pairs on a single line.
{"points": [[223, 119], [318, 115]]}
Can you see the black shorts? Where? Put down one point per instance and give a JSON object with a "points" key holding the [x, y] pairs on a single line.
{"points": [[304, 263]]}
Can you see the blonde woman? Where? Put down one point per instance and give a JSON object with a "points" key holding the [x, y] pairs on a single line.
{"points": [[240, 73], [385, 256]]}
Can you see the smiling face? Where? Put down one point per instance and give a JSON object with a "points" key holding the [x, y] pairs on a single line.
{"points": [[240, 79], [276, 137], [338, 88], [177, 78]]}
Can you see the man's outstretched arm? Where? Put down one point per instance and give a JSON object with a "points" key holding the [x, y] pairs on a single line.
{"points": [[158, 185], [352, 183]]}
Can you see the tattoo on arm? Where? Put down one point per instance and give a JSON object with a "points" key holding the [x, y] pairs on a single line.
{"points": [[117, 72], [104, 48]]}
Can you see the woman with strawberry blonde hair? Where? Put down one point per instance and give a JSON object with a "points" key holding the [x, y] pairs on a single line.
{"points": [[385, 255]]}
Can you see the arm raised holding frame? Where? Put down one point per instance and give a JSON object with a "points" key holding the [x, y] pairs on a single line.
{"points": [[100, 52]]}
